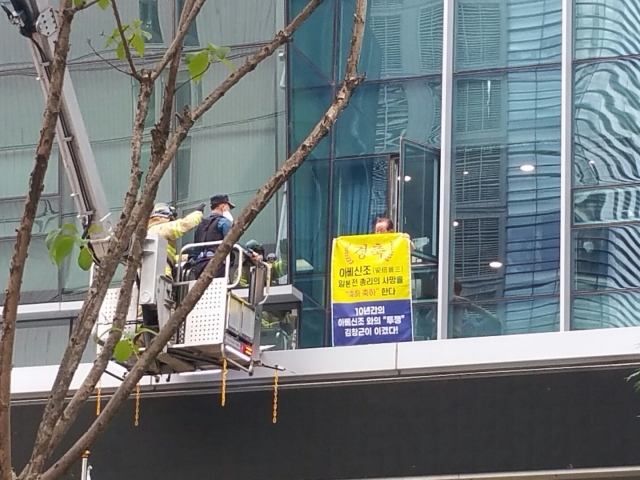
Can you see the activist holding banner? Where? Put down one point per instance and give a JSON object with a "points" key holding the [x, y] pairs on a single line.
{"points": [[385, 225], [371, 289]]}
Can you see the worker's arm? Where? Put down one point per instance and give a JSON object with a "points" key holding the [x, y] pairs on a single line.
{"points": [[177, 228], [224, 225]]}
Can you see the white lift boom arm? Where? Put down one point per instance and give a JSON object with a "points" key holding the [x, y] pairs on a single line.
{"points": [[37, 22]]}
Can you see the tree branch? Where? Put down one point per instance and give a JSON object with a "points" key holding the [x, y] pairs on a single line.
{"points": [[84, 5], [48, 437], [282, 37], [106, 60], [240, 226], [178, 42], [125, 44], [23, 239]]}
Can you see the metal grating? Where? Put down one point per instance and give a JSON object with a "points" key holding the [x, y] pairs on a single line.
{"points": [[108, 311], [205, 325]]}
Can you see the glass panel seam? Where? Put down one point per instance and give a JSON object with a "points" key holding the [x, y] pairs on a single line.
{"points": [[566, 160], [445, 168]]}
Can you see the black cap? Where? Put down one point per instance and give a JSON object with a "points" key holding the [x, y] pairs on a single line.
{"points": [[219, 199]]}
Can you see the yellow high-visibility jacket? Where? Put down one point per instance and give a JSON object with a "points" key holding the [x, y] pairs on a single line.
{"points": [[171, 231]]}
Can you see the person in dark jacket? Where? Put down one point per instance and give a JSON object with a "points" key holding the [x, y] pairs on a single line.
{"points": [[213, 228]]}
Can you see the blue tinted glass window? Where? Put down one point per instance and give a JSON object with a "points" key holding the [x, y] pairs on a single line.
{"points": [[606, 28], [314, 38], [606, 123], [403, 38], [379, 113], [491, 34], [506, 201]]}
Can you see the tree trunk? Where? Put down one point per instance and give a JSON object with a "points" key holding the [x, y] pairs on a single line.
{"points": [[19, 257], [351, 81]]}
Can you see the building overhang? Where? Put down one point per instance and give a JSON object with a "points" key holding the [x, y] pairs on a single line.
{"points": [[437, 359]]}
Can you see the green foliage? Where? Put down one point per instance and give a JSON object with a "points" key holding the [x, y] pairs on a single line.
{"points": [[136, 38], [60, 243], [127, 346], [199, 62]]}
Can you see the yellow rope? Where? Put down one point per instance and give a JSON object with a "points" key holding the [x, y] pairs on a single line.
{"points": [[223, 398], [275, 397], [137, 414], [98, 397]]}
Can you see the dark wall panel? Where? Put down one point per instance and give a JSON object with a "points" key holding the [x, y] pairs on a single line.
{"points": [[526, 422]]}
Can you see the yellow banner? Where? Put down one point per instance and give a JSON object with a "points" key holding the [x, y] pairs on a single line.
{"points": [[371, 267]]}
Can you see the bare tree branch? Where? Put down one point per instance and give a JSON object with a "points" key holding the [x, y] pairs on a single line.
{"points": [[178, 41], [282, 37], [351, 81], [107, 61], [125, 43], [160, 133], [84, 5], [48, 438], [20, 252]]}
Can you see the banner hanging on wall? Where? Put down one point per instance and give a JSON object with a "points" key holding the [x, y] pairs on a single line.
{"points": [[371, 289]]}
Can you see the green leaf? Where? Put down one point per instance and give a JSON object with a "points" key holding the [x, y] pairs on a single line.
{"points": [[85, 258], [228, 64], [78, 2], [123, 350], [137, 42], [222, 52], [94, 229], [198, 65], [110, 40], [51, 236], [136, 23], [120, 51], [145, 330], [70, 227], [147, 35], [61, 248], [104, 4]]}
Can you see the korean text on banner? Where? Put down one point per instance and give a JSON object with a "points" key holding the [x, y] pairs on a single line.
{"points": [[371, 289]]}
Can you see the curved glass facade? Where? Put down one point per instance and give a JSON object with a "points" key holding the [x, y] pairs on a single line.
{"points": [[504, 196]]}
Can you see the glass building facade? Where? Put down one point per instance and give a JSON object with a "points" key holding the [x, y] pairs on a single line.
{"points": [[500, 134]]}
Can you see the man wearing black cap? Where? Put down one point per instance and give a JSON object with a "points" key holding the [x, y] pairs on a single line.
{"points": [[213, 229]]}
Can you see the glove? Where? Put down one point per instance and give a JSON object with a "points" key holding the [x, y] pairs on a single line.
{"points": [[201, 207]]}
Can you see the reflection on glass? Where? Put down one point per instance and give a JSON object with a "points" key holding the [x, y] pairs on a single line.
{"points": [[310, 186], [606, 205], [359, 194], [379, 114], [506, 217], [605, 310], [312, 286], [279, 329], [310, 96], [425, 316], [312, 326], [606, 258], [606, 28], [401, 39], [507, 33], [606, 123], [40, 342], [47, 216], [420, 196], [314, 38], [478, 319], [40, 281]]}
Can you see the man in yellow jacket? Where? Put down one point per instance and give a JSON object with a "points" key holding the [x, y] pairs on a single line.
{"points": [[165, 222]]}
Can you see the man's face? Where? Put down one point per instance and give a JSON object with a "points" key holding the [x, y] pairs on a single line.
{"points": [[382, 227]]}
